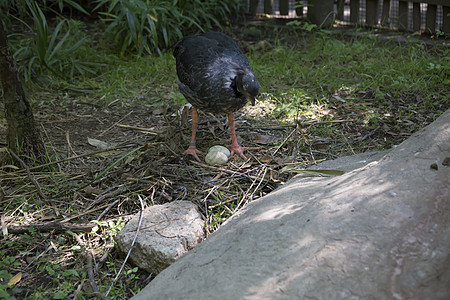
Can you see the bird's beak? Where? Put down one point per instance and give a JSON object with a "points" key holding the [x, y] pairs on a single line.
{"points": [[251, 98]]}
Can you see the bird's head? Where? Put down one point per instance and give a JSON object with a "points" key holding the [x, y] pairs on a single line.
{"points": [[248, 85]]}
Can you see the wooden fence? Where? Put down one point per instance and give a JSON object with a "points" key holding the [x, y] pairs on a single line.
{"points": [[429, 16]]}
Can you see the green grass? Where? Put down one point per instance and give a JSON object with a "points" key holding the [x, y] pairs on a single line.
{"points": [[325, 65], [149, 78]]}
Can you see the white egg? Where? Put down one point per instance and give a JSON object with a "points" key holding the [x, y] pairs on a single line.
{"points": [[217, 156], [220, 149]]}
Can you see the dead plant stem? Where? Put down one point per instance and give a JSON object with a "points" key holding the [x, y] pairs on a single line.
{"points": [[131, 246], [30, 176]]}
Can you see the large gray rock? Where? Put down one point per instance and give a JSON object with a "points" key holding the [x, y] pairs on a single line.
{"points": [[351, 162], [381, 231], [167, 232]]}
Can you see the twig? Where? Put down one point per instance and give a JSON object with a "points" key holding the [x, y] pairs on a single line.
{"points": [[131, 247], [91, 275], [221, 203], [262, 179], [88, 256], [139, 128], [30, 176], [112, 126], [279, 127], [85, 213], [347, 142], [69, 145], [248, 177], [248, 190], [369, 134], [50, 142], [327, 122], [285, 140], [110, 167], [173, 152], [106, 209]]}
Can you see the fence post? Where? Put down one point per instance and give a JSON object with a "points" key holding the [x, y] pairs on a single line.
{"points": [[340, 10], [446, 19], [354, 11], [253, 7], [431, 18], [416, 16], [371, 12], [385, 20], [268, 7], [402, 15], [284, 7]]}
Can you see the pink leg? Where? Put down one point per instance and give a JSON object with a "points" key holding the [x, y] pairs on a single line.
{"points": [[192, 150], [235, 148]]}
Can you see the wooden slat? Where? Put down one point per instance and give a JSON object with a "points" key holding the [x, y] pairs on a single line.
{"points": [[321, 12], [340, 10], [371, 12], [253, 7], [354, 11], [416, 17], [435, 2], [268, 7], [385, 13], [446, 20], [284, 7], [430, 24], [299, 4], [403, 15]]}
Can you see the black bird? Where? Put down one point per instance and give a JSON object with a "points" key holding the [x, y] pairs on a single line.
{"points": [[214, 76]]}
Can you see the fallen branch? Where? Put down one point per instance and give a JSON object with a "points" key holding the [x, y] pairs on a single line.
{"points": [[56, 226]]}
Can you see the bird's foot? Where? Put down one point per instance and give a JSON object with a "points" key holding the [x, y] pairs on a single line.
{"points": [[240, 150], [192, 150]]}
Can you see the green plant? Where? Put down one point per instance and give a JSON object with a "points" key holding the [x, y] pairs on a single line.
{"points": [[49, 52], [222, 210], [108, 229], [144, 26], [7, 290], [19, 8]]}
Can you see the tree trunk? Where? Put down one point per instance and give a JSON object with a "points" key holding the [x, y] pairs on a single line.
{"points": [[22, 135]]}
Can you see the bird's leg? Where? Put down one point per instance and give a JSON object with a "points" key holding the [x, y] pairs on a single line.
{"points": [[235, 148], [192, 150]]}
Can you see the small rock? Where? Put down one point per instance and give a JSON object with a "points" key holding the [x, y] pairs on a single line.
{"points": [[446, 162], [167, 232]]}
